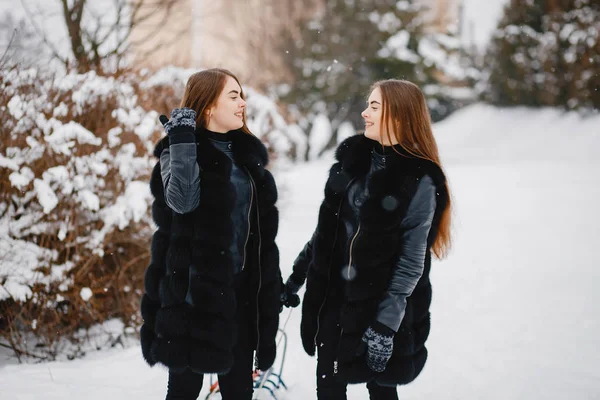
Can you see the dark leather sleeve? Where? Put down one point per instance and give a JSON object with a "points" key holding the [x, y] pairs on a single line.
{"points": [[301, 264], [181, 177], [411, 262]]}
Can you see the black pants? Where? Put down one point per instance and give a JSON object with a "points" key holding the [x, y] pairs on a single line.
{"points": [[237, 384], [329, 387]]}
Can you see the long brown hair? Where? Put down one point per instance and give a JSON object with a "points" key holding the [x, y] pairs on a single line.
{"points": [[405, 115], [202, 91]]}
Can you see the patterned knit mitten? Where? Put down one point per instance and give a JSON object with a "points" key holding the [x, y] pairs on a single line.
{"points": [[182, 125], [380, 345]]}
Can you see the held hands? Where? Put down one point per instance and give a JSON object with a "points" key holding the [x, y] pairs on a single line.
{"points": [[288, 296], [181, 127], [379, 342]]}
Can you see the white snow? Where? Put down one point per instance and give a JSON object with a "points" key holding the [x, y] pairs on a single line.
{"points": [[320, 134], [397, 46], [167, 76], [63, 135], [516, 309], [113, 136], [86, 293], [129, 165], [266, 121], [129, 207], [147, 126], [45, 195], [16, 107], [345, 130], [89, 200], [297, 136], [9, 163], [24, 258], [22, 178]]}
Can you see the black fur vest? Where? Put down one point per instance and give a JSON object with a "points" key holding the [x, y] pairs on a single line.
{"points": [[189, 305], [374, 254]]}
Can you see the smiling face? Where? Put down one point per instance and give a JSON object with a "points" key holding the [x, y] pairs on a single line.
{"points": [[227, 113], [374, 127]]}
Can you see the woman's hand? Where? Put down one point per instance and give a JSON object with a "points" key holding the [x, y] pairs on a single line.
{"points": [[181, 127], [379, 341], [288, 296]]}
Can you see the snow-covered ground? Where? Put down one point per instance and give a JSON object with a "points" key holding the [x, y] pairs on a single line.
{"points": [[516, 307]]}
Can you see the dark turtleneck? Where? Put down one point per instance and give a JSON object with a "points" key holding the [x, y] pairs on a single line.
{"points": [[221, 141], [381, 154], [219, 137]]}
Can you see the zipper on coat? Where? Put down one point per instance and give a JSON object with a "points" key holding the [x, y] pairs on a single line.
{"points": [[253, 184], [350, 252], [249, 222], [337, 222], [336, 362]]}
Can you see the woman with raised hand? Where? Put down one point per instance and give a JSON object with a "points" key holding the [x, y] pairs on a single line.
{"points": [[212, 290], [386, 209]]}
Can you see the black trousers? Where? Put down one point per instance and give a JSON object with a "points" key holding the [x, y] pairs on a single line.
{"points": [[237, 384], [329, 386]]}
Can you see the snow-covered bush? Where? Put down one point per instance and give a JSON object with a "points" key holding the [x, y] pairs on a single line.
{"points": [[285, 141], [74, 201]]}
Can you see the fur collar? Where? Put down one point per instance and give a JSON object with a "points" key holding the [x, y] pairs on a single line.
{"points": [[248, 151], [354, 155]]}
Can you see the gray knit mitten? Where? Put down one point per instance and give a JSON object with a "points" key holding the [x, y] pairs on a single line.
{"points": [[380, 345], [182, 125]]}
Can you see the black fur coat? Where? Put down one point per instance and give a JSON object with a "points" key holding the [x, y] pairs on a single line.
{"points": [[189, 302], [375, 251]]}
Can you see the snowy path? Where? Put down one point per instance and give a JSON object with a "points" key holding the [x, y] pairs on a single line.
{"points": [[516, 308]]}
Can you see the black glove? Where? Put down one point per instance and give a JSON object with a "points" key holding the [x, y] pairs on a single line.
{"points": [[308, 327], [163, 119], [379, 341], [265, 356], [181, 127], [288, 296]]}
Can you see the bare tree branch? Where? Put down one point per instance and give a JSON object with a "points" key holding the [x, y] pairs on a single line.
{"points": [[90, 32], [12, 38], [40, 32], [22, 352], [141, 11], [119, 5], [72, 17]]}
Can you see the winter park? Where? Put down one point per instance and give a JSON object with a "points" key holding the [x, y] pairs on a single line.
{"points": [[361, 197]]}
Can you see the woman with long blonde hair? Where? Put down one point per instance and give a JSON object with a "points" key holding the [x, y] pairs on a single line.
{"points": [[386, 211], [212, 293]]}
